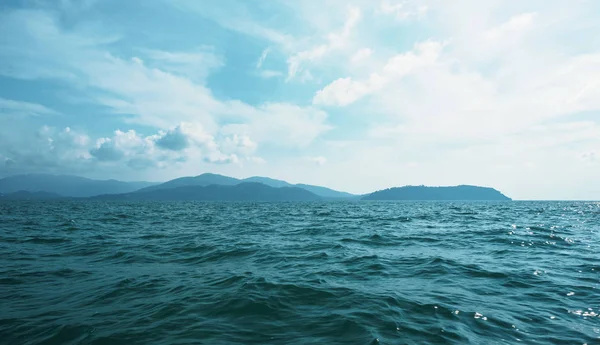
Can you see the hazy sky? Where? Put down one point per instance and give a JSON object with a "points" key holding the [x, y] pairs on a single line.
{"points": [[355, 95]]}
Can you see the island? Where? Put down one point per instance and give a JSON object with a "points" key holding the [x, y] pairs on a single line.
{"points": [[462, 192]]}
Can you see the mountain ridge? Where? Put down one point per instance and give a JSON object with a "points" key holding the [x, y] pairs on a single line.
{"points": [[442, 193], [247, 191], [207, 179], [46, 187], [67, 185]]}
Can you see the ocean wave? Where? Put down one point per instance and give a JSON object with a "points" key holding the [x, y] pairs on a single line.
{"points": [[263, 273]]}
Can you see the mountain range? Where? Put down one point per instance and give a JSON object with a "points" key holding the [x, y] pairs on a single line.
{"points": [[217, 188], [67, 185], [246, 191], [214, 179]]}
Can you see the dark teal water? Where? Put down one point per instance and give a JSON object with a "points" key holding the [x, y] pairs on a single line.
{"points": [[300, 273]]}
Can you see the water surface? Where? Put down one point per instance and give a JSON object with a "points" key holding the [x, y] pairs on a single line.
{"points": [[300, 273]]}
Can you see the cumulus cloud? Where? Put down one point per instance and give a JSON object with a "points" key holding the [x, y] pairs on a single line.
{"points": [[174, 139], [106, 150], [45, 149], [175, 145], [70, 151], [239, 144]]}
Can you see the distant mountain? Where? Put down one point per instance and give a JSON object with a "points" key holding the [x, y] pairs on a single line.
{"points": [[437, 193], [247, 191], [327, 192], [25, 195], [215, 179], [200, 180], [268, 181], [65, 185]]}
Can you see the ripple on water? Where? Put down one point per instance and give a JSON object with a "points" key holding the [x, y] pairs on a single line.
{"points": [[298, 273]]}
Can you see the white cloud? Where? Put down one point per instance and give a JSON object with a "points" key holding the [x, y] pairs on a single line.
{"points": [[402, 10], [234, 18], [319, 160], [70, 151], [9, 107], [183, 136], [106, 150], [278, 124], [257, 160], [361, 55], [239, 144], [501, 92], [159, 96], [268, 74], [45, 149], [194, 64], [515, 25], [345, 91], [335, 41], [262, 58]]}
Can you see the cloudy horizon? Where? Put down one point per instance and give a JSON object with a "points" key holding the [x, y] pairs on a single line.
{"points": [[354, 95]]}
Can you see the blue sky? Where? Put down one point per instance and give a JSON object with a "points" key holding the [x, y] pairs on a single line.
{"points": [[355, 95]]}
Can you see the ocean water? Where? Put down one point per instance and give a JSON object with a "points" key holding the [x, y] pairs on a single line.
{"points": [[300, 273]]}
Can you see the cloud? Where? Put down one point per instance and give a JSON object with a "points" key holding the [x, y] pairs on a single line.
{"points": [[106, 150], [178, 144], [257, 160], [282, 125], [489, 92], [174, 139], [345, 91], [194, 64], [9, 107], [153, 91], [401, 11], [219, 158], [361, 55], [44, 150], [262, 58], [268, 74], [8, 162], [515, 25], [335, 40], [239, 144], [319, 160], [235, 18], [71, 151]]}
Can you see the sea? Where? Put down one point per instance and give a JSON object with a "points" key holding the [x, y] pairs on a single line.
{"points": [[84, 272]]}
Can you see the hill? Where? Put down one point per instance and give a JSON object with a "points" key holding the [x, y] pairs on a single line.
{"points": [[25, 195], [200, 180], [462, 192], [247, 191], [66, 185], [215, 179]]}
